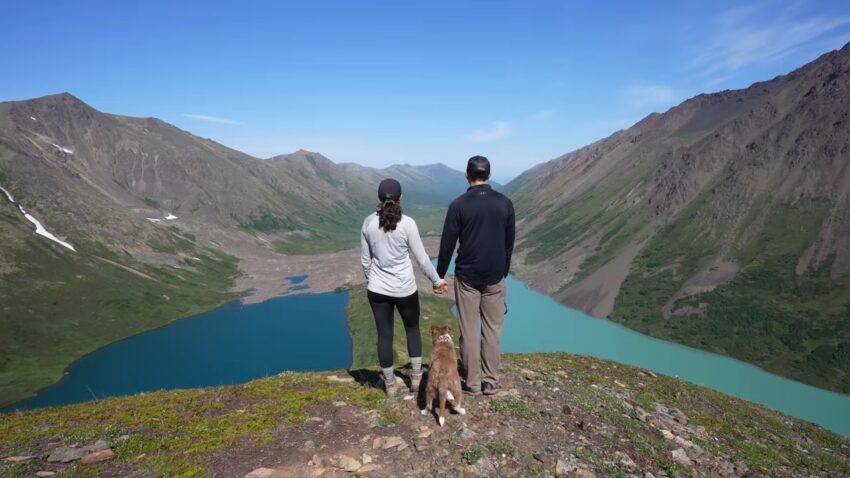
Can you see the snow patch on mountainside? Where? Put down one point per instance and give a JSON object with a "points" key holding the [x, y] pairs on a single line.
{"points": [[39, 227], [7, 195], [169, 217], [64, 150], [42, 231]]}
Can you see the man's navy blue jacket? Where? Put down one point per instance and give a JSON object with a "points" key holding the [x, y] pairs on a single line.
{"points": [[483, 220]]}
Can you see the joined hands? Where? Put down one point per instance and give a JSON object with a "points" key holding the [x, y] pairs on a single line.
{"points": [[442, 288]]}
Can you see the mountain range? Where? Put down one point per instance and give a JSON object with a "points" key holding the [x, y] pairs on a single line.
{"points": [[151, 214], [723, 223]]}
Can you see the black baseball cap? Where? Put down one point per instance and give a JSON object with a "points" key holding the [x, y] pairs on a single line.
{"points": [[389, 189]]}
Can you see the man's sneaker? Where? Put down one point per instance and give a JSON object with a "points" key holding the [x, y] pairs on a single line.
{"points": [[415, 380], [393, 388], [488, 388]]}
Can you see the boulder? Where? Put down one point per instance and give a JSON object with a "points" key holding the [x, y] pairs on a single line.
{"points": [[66, 454]]}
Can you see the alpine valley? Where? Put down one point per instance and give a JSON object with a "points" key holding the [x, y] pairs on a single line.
{"points": [[141, 223], [723, 223]]}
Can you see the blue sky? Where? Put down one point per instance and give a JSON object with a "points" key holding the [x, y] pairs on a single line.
{"points": [[388, 82]]}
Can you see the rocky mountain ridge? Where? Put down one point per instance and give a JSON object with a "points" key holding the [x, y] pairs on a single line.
{"points": [[724, 219]]}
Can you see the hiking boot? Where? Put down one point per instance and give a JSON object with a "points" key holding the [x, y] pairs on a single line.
{"points": [[468, 392], [488, 388], [393, 388], [415, 380]]}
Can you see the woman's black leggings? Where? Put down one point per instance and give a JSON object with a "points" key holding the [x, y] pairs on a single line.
{"points": [[408, 307]]}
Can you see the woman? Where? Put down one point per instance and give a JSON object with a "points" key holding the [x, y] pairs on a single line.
{"points": [[388, 239]]}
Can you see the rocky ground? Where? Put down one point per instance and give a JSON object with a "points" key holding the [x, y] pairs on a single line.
{"points": [[557, 415]]}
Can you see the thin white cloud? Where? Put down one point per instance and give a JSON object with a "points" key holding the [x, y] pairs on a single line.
{"points": [[640, 96], [542, 115], [210, 119], [761, 33], [499, 131]]}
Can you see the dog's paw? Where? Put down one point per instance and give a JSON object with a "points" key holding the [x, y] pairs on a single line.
{"points": [[442, 421], [460, 410], [450, 397], [424, 411]]}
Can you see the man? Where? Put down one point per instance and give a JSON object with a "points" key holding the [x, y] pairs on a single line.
{"points": [[483, 221]]}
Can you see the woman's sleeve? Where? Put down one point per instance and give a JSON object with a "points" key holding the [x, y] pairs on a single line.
{"points": [[417, 249], [365, 251]]}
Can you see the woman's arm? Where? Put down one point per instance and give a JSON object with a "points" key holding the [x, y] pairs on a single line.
{"points": [[417, 249], [365, 250]]}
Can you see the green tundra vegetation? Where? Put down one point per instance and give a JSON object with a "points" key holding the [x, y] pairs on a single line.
{"points": [[340, 230], [198, 432], [174, 433], [590, 213], [797, 325], [435, 310]]}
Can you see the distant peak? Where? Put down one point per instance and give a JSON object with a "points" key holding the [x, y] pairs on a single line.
{"points": [[63, 99], [64, 96]]}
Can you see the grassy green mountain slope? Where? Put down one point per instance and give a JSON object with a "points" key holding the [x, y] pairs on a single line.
{"points": [[723, 223], [56, 305]]}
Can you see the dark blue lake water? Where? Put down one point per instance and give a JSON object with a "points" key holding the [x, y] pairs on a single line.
{"points": [[232, 344]]}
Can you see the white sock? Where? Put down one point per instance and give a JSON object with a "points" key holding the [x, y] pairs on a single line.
{"points": [[389, 375], [416, 364]]}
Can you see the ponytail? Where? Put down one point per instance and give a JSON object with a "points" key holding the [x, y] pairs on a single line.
{"points": [[389, 214]]}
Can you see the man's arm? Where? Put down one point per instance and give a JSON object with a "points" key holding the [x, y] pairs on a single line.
{"points": [[448, 241], [510, 235]]}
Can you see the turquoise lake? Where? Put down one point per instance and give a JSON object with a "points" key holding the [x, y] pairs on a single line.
{"points": [[537, 323], [236, 343]]}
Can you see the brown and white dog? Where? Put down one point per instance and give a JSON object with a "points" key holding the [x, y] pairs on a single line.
{"points": [[443, 379]]}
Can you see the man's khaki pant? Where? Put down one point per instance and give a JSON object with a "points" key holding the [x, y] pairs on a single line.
{"points": [[481, 314]]}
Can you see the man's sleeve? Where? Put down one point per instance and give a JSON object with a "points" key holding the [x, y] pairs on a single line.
{"points": [[448, 241], [510, 235]]}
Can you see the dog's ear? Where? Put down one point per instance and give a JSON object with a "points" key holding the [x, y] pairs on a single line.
{"points": [[434, 330], [449, 329]]}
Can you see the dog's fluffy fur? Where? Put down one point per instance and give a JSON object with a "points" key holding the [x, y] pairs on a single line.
{"points": [[443, 378]]}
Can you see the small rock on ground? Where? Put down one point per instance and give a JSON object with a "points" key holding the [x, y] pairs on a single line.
{"points": [[18, 459], [680, 457], [346, 463], [98, 457], [260, 473]]}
